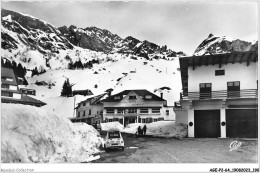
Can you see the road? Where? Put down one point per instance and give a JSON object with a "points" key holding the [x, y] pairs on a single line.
{"points": [[190, 150]]}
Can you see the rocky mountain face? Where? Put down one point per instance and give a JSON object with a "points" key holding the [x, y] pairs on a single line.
{"points": [[97, 39], [31, 32], [37, 44], [216, 45]]}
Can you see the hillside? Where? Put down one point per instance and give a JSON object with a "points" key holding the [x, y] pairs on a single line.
{"points": [[35, 43], [127, 73]]}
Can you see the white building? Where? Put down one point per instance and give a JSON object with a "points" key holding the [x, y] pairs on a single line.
{"points": [[220, 94], [90, 110], [136, 106]]}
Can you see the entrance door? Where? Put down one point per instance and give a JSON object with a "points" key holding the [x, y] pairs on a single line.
{"points": [[207, 123], [242, 123]]}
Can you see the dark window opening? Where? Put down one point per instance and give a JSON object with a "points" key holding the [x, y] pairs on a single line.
{"points": [[205, 90], [219, 72], [233, 89], [132, 97], [89, 113], [5, 86]]}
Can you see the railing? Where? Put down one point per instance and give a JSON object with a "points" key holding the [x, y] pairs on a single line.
{"points": [[223, 94]]}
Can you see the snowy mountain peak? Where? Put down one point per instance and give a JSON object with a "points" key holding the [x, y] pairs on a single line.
{"points": [[223, 44]]}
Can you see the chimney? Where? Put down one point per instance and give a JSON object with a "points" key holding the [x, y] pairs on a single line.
{"points": [[162, 95]]}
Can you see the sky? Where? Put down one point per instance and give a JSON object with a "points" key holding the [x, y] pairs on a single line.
{"points": [[182, 26]]}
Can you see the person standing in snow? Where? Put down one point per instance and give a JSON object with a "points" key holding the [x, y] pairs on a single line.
{"points": [[144, 129], [139, 131]]}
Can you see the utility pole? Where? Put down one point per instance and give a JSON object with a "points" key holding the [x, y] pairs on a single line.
{"points": [[74, 111]]}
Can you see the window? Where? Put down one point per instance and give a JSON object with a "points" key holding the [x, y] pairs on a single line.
{"points": [[110, 120], [132, 97], [148, 97], [117, 97], [233, 89], [156, 110], [132, 111], [144, 111], [113, 135], [167, 112], [78, 114], [84, 113], [110, 111], [84, 104], [5, 86], [155, 120], [120, 111], [7, 94], [89, 112], [205, 90], [219, 72], [7, 78], [143, 120]]}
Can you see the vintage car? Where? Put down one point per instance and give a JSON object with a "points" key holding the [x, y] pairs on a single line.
{"points": [[114, 139]]}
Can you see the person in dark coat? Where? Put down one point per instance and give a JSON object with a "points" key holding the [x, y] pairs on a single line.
{"points": [[144, 129], [139, 131]]}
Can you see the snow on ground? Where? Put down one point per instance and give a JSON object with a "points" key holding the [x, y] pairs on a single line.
{"points": [[117, 75], [160, 128], [112, 126], [31, 134]]}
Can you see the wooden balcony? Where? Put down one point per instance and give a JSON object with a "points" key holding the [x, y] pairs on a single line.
{"points": [[222, 94]]}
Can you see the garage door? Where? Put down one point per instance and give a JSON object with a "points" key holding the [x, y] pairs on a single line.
{"points": [[207, 123], [242, 123]]}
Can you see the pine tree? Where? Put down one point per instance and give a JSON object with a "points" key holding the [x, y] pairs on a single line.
{"points": [[64, 89]]}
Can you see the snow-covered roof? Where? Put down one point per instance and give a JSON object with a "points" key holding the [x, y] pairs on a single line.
{"points": [[141, 93]]}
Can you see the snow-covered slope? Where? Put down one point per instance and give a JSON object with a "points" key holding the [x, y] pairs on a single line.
{"points": [[126, 73], [217, 45], [36, 43], [31, 134]]}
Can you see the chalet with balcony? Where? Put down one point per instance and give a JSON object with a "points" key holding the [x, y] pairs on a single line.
{"points": [[10, 92], [90, 110], [220, 95], [134, 106]]}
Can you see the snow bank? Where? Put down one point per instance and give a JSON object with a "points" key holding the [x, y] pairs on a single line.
{"points": [[112, 126], [160, 128], [31, 134]]}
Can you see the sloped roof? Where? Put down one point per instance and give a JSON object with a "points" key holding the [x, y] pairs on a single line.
{"points": [[8, 72], [94, 100], [24, 100], [141, 93]]}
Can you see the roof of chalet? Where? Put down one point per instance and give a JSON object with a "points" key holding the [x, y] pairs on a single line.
{"points": [[24, 100], [217, 59], [93, 100], [8, 72], [141, 93]]}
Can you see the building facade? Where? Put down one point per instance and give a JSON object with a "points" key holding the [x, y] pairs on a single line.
{"points": [[10, 92], [134, 106], [220, 94], [89, 111]]}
